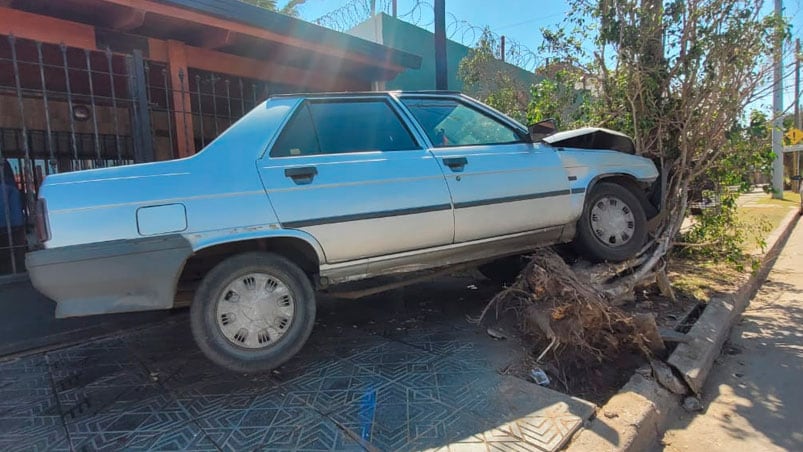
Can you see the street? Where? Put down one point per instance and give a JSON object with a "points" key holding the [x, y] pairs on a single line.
{"points": [[753, 399]]}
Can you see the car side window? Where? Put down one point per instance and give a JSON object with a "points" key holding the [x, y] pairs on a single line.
{"points": [[298, 136], [359, 126], [449, 122]]}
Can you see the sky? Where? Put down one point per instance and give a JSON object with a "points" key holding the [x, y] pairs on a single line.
{"points": [[519, 20]]}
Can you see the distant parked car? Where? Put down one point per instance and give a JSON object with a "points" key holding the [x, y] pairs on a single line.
{"points": [[310, 191]]}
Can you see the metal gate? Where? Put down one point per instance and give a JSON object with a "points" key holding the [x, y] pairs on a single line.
{"points": [[61, 109], [67, 109]]}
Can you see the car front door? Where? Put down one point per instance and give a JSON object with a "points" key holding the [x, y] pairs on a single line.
{"points": [[350, 172], [500, 183]]}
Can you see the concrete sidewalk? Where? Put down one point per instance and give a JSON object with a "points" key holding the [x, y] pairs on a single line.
{"points": [[753, 398], [27, 321]]}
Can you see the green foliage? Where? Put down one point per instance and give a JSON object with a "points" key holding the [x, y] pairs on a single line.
{"points": [[562, 98], [750, 153], [676, 75], [719, 234], [486, 78], [267, 4], [289, 9]]}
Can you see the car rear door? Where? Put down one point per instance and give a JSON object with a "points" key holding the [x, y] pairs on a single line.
{"points": [[500, 183], [349, 171]]}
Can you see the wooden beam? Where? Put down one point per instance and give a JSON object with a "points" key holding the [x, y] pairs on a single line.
{"points": [[182, 105], [46, 29], [216, 39], [261, 33], [224, 63], [157, 50], [128, 19]]}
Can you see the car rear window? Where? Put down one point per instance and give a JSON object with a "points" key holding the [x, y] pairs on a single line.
{"points": [[343, 126]]}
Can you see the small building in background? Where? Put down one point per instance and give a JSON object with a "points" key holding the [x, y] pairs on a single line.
{"points": [[96, 83], [398, 34]]}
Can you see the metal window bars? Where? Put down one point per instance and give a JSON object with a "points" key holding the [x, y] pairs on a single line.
{"points": [[66, 109]]}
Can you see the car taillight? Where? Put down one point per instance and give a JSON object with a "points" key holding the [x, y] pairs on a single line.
{"points": [[42, 231]]}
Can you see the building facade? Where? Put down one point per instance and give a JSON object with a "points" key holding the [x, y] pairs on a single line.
{"points": [[95, 83]]}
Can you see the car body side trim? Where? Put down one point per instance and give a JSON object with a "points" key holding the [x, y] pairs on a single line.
{"points": [[365, 216], [485, 202], [444, 256]]}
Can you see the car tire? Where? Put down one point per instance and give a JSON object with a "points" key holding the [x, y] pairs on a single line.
{"points": [[613, 225], [252, 312]]}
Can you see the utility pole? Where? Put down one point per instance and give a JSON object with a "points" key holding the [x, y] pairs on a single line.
{"points": [[796, 169], [503, 48], [441, 80], [777, 106]]}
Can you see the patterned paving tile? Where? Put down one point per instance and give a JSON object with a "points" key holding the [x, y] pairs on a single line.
{"points": [[29, 427], [198, 403], [546, 429], [391, 383], [391, 417], [459, 383], [29, 415], [394, 360], [25, 382], [148, 346], [40, 438], [332, 384], [85, 402], [275, 429], [188, 436]]}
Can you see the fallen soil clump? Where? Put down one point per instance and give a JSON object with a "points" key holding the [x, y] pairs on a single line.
{"points": [[587, 335]]}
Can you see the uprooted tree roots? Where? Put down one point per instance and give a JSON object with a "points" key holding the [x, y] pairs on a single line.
{"points": [[575, 312]]}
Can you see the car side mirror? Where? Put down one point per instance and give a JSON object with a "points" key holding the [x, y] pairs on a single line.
{"points": [[542, 129]]}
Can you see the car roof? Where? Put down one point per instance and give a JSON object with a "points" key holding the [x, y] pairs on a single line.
{"points": [[364, 93]]}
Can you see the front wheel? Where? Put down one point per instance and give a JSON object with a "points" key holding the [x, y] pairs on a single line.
{"points": [[613, 226], [253, 312]]}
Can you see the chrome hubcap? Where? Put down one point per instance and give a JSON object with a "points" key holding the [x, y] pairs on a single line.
{"points": [[255, 310], [612, 221]]}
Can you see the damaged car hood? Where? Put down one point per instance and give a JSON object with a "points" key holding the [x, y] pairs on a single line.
{"points": [[592, 138]]}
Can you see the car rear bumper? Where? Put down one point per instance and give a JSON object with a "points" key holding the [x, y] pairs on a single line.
{"points": [[108, 277]]}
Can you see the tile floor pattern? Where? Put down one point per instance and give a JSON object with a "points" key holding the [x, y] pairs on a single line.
{"points": [[432, 388]]}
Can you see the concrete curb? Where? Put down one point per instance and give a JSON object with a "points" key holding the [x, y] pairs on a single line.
{"points": [[636, 416]]}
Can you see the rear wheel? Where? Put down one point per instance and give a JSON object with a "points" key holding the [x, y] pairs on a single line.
{"points": [[252, 312], [613, 226]]}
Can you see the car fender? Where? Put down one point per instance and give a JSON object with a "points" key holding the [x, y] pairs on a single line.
{"points": [[204, 240]]}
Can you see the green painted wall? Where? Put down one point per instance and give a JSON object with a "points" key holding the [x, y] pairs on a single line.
{"points": [[392, 32]]}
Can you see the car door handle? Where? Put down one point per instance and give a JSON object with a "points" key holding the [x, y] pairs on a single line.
{"points": [[456, 164], [301, 175]]}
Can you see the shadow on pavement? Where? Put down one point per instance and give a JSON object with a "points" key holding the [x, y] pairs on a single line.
{"points": [[28, 321], [754, 395]]}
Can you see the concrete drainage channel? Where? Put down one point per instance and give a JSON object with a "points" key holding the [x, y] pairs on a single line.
{"points": [[634, 418]]}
